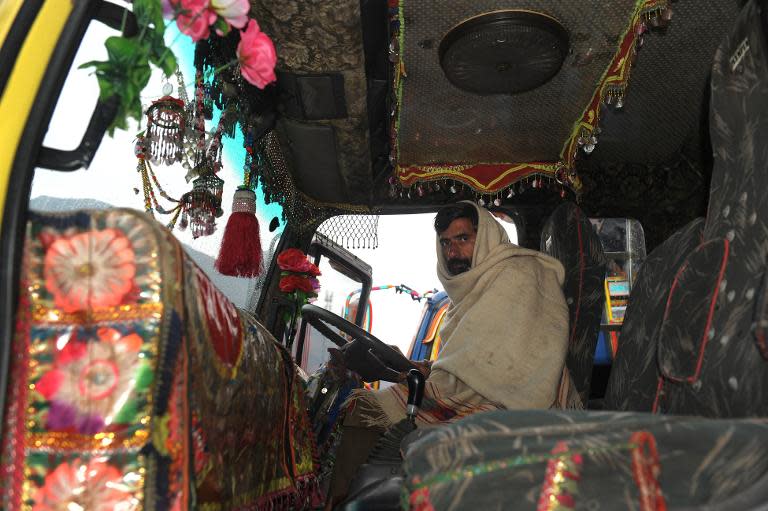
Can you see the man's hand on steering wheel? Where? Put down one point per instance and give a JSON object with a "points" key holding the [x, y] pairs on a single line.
{"points": [[336, 364], [366, 355]]}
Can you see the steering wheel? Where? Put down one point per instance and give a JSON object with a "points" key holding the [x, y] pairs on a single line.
{"points": [[365, 354]]}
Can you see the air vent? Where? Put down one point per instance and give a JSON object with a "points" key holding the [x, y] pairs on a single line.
{"points": [[504, 52]]}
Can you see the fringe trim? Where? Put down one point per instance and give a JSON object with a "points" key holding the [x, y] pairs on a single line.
{"points": [[567, 397], [363, 403], [303, 496]]}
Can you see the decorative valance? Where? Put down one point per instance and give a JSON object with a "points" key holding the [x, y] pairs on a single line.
{"points": [[443, 134]]}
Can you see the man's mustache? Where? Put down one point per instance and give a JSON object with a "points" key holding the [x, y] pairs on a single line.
{"points": [[457, 265]]}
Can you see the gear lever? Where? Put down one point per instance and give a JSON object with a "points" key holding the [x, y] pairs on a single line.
{"points": [[385, 459], [416, 382]]}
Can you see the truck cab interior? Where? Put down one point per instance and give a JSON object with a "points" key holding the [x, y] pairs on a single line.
{"points": [[129, 381]]}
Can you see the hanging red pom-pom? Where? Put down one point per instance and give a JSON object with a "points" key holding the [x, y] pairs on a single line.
{"points": [[240, 254]]}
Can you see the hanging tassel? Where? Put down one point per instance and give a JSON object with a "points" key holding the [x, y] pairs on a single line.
{"points": [[240, 254]]}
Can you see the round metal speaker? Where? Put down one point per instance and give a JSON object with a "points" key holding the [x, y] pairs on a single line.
{"points": [[504, 52]]}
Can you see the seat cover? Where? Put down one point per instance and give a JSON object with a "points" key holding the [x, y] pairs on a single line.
{"points": [[546, 459], [732, 376], [634, 375], [696, 323], [136, 384], [568, 236]]}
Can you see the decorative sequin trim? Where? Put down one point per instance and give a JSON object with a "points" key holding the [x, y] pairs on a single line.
{"points": [[46, 315], [561, 480], [645, 470]]}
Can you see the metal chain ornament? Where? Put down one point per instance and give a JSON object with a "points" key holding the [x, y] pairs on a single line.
{"points": [[164, 138], [201, 206], [176, 133]]}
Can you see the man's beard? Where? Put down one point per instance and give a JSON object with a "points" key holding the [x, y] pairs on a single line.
{"points": [[456, 266]]}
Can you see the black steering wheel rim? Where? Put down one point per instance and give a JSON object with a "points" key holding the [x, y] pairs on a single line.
{"points": [[320, 318], [393, 361]]}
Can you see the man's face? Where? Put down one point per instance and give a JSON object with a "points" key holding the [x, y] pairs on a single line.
{"points": [[458, 243]]}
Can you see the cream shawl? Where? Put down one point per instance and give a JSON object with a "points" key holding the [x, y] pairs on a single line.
{"points": [[504, 338], [506, 332]]}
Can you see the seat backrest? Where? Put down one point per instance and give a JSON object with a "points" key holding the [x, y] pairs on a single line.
{"points": [[132, 368], [634, 372], [568, 236], [710, 350]]}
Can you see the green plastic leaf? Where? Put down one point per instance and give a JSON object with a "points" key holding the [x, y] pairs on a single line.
{"points": [[139, 75], [106, 87], [165, 60], [149, 14], [168, 64], [122, 50], [99, 65]]}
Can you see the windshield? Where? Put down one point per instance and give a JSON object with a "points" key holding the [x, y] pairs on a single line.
{"points": [[404, 276], [113, 180]]}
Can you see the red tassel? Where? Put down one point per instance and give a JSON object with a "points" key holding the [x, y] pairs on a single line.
{"points": [[240, 254]]}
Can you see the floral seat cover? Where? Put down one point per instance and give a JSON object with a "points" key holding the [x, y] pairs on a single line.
{"points": [[568, 236], [695, 337], [135, 384], [545, 460]]}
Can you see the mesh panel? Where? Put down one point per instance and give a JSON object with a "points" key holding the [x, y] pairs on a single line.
{"points": [[300, 211], [352, 231]]}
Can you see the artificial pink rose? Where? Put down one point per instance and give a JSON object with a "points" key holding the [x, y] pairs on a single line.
{"points": [[294, 260], [194, 18], [257, 56], [291, 283], [234, 12]]}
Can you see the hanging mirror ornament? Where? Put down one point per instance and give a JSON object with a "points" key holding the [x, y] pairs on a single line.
{"points": [[201, 206], [165, 130]]}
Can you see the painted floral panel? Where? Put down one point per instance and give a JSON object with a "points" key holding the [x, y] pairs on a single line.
{"points": [[90, 379], [82, 263], [95, 483]]}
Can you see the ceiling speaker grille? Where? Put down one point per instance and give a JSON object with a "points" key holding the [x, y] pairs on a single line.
{"points": [[504, 52]]}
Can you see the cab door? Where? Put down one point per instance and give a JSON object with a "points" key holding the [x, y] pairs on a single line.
{"points": [[38, 42], [311, 346]]}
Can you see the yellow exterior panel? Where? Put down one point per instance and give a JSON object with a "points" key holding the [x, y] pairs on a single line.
{"points": [[8, 11], [23, 83]]}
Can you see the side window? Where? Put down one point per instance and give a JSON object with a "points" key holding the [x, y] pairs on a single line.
{"points": [[402, 268], [344, 278], [113, 181], [507, 221]]}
